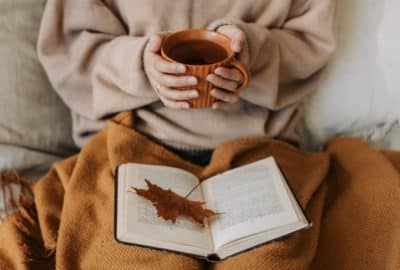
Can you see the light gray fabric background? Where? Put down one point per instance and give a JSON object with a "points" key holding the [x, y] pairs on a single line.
{"points": [[34, 124], [360, 93]]}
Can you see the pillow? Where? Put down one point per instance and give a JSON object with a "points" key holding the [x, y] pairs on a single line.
{"points": [[359, 94], [384, 136], [35, 126], [393, 138]]}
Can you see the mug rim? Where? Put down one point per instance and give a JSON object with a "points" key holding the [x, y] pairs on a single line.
{"points": [[165, 55]]}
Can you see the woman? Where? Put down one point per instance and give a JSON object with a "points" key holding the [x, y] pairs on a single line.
{"points": [[103, 57]]}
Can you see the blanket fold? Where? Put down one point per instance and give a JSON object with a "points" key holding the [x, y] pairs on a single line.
{"points": [[350, 192]]}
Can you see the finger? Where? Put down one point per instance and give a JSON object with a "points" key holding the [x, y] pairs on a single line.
{"points": [[219, 105], [224, 96], [230, 74], [178, 94], [222, 83], [176, 81], [154, 45], [167, 67], [237, 45], [244, 57], [180, 105], [236, 35]]}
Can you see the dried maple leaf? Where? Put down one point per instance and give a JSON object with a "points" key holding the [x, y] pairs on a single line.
{"points": [[170, 205]]}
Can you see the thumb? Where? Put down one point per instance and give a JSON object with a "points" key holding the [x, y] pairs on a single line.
{"points": [[236, 35], [244, 56], [155, 43]]}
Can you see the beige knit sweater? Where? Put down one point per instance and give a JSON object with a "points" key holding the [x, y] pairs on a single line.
{"points": [[92, 51]]}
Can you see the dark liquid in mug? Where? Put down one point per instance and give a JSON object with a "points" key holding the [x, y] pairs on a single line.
{"points": [[197, 52]]}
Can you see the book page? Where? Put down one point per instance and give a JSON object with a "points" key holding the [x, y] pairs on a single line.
{"points": [[139, 217], [251, 198]]}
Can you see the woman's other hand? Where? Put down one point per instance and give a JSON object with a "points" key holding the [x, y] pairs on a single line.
{"points": [[228, 80]]}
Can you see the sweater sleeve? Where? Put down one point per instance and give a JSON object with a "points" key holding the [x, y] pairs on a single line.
{"points": [[285, 62], [93, 62]]}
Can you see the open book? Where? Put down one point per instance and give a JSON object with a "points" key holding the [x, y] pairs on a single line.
{"points": [[256, 203]]}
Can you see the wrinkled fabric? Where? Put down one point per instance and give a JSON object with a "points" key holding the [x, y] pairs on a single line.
{"points": [[350, 192], [93, 50], [35, 128]]}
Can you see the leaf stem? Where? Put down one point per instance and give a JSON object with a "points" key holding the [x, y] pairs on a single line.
{"points": [[193, 189]]}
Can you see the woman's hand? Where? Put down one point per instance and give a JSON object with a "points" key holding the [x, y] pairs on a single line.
{"points": [[163, 77], [227, 80]]}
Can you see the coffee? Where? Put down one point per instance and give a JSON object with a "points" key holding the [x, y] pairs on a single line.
{"points": [[197, 52]]}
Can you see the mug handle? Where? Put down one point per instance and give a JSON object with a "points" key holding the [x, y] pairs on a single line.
{"points": [[246, 76]]}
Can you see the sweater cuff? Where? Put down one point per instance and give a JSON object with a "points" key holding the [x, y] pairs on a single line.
{"points": [[256, 35]]}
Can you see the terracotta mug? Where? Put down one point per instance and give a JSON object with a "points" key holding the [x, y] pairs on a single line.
{"points": [[202, 51]]}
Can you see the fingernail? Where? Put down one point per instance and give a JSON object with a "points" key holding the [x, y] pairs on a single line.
{"points": [[181, 68], [193, 94], [186, 106], [192, 80], [209, 77], [218, 71], [213, 91]]}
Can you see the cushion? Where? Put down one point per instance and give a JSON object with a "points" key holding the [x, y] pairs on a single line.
{"points": [[360, 92], [383, 136], [34, 124], [393, 138]]}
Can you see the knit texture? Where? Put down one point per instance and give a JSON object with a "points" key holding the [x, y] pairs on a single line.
{"points": [[93, 50], [351, 193]]}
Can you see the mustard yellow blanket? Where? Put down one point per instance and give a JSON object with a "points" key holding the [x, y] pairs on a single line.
{"points": [[350, 192]]}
